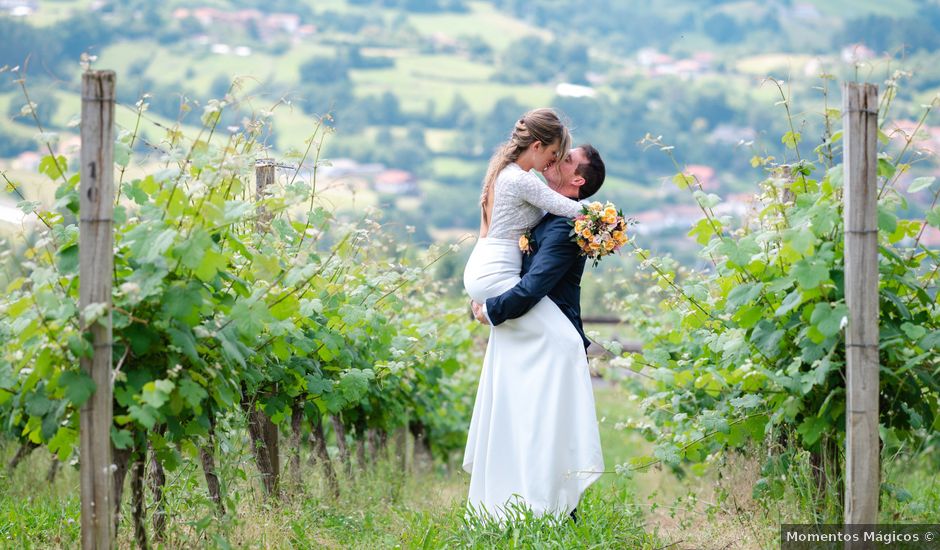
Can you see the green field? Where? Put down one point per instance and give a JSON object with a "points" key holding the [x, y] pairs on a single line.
{"points": [[854, 8], [484, 20], [418, 79]]}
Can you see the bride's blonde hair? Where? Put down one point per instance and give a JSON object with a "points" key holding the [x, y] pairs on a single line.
{"points": [[542, 125]]}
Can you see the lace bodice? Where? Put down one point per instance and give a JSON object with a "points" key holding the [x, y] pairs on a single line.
{"points": [[520, 199]]}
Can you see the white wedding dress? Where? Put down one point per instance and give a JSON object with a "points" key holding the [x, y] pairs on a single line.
{"points": [[533, 436]]}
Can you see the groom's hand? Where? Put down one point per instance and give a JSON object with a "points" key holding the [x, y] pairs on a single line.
{"points": [[478, 313]]}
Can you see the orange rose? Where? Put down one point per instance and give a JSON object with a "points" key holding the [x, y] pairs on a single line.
{"points": [[524, 244]]}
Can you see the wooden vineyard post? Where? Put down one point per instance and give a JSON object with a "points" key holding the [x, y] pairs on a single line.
{"points": [[862, 453], [96, 261], [264, 432], [264, 177]]}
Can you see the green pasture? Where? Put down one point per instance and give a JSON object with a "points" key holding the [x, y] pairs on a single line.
{"points": [[498, 29], [417, 79], [855, 8]]}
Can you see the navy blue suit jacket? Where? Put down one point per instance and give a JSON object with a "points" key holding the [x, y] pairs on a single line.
{"points": [[553, 269]]}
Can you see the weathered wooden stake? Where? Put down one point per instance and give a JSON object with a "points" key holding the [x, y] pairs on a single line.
{"points": [[862, 455], [339, 430], [96, 261], [266, 431], [157, 486], [296, 430], [264, 177], [322, 455], [207, 456]]}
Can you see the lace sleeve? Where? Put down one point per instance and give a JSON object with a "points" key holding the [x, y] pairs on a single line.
{"points": [[530, 188]]}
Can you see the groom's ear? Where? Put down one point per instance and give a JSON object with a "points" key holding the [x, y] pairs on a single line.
{"points": [[577, 180]]}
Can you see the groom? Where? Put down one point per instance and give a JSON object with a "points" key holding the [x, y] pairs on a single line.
{"points": [[554, 266]]}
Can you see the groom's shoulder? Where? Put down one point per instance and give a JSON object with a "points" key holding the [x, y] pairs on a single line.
{"points": [[551, 221], [554, 225]]}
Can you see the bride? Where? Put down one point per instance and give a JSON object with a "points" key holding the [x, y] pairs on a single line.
{"points": [[533, 437]]}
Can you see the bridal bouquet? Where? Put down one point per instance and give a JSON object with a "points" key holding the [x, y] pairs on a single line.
{"points": [[599, 230]]}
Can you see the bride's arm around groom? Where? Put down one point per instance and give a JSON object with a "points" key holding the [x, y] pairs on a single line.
{"points": [[554, 270]]}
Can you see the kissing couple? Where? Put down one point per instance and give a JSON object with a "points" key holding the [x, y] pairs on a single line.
{"points": [[533, 438]]}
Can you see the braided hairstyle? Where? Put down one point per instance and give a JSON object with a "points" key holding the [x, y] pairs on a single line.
{"points": [[542, 125]]}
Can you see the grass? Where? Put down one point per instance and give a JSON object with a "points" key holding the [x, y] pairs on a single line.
{"points": [[712, 505], [456, 167], [382, 507], [441, 140], [48, 518], [386, 507]]}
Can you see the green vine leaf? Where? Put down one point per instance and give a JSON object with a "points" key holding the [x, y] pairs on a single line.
{"points": [[78, 386]]}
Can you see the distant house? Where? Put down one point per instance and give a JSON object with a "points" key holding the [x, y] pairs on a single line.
{"points": [[704, 57], [731, 134], [268, 25], [286, 22], [704, 174], [931, 237], [656, 221], [927, 138], [19, 8], [596, 79], [856, 53], [660, 64], [443, 42], [566, 89], [69, 145], [684, 216], [649, 57], [9, 213], [396, 182], [688, 67], [28, 161], [736, 205], [806, 11], [342, 167]]}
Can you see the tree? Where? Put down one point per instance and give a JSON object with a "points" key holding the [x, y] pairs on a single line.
{"points": [[477, 48], [494, 128], [415, 135], [531, 59], [220, 86], [81, 33], [45, 103], [21, 40], [12, 144], [459, 115], [324, 70], [723, 28]]}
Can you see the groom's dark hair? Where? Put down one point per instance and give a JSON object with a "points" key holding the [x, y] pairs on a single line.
{"points": [[592, 171]]}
